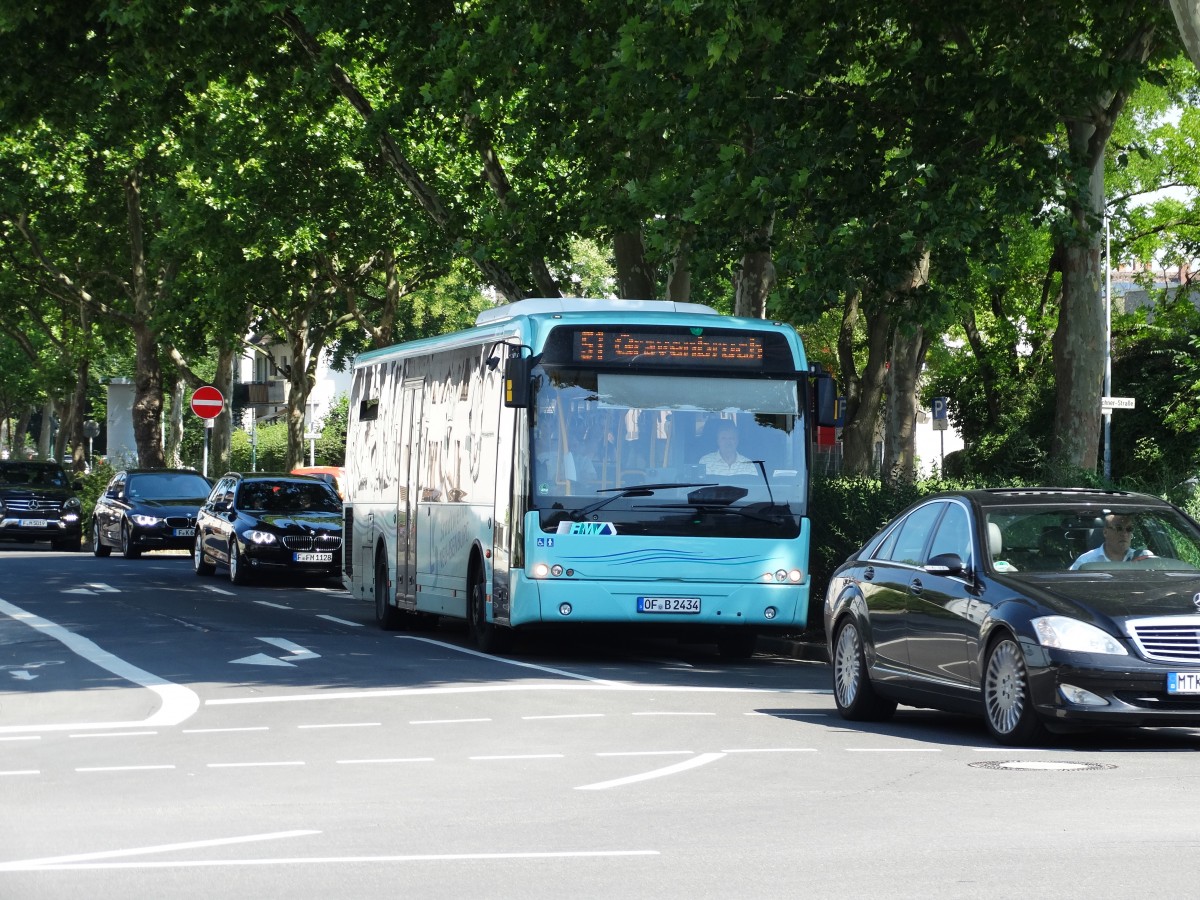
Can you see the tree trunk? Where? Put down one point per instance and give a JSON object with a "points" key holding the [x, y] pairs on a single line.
{"points": [[756, 276], [679, 282], [635, 281], [864, 393], [219, 448], [147, 399], [179, 402], [909, 346], [1079, 341]]}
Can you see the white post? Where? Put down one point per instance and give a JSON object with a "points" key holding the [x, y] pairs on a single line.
{"points": [[1107, 348]]}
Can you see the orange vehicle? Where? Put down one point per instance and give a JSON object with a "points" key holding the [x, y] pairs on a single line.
{"points": [[335, 475]]}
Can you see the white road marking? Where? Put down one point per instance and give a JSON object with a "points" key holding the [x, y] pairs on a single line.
{"points": [[444, 721], [121, 768], [30, 864], [273, 605], [795, 715], [326, 860], [774, 750], [20, 772], [673, 714], [23, 737], [253, 765], [517, 756], [364, 762], [178, 703], [513, 662], [22, 675], [648, 753], [222, 730], [701, 760], [295, 651], [102, 588], [216, 590], [566, 716], [261, 659], [496, 688], [344, 725], [339, 621], [108, 734], [893, 749]]}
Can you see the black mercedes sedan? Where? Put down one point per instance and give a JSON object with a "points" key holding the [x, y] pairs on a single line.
{"points": [[262, 522], [148, 509], [1040, 609]]}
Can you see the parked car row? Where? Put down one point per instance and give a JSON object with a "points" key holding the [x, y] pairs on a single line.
{"points": [[249, 523]]}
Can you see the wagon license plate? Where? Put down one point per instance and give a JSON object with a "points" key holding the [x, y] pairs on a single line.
{"points": [[183, 532], [33, 523], [1183, 682], [313, 557], [668, 604]]}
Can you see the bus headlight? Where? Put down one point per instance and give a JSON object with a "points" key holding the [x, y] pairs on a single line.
{"points": [[541, 570]]}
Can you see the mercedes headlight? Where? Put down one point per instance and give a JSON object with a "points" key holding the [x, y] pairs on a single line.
{"points": [[72, 504], [1065, 633]]}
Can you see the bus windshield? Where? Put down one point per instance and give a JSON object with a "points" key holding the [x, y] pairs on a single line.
{"points": [[668, 454]]}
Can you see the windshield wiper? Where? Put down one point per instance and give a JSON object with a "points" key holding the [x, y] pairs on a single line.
{"points": [[633, 490]]}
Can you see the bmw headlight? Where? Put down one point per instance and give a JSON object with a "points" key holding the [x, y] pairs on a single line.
{"points": [[1065, 633], [146, 521], [260, 537]]}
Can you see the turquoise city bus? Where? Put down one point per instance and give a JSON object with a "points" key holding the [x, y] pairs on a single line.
{"points": [[583, 462]]}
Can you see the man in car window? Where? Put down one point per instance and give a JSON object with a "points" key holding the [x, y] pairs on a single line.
{"points": [[1117, 545]]}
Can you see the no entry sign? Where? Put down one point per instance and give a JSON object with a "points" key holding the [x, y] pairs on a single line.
{"points": [[207, 402]]}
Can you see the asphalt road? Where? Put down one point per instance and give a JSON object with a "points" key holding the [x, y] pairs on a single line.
{"points": [[169, 736]]}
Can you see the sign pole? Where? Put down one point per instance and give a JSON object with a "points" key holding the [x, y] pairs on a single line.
{"points": [[1107, 350], [207, 428]]}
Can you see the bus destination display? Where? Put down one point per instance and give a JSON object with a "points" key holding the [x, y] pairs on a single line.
{"points": [[624, 346]]}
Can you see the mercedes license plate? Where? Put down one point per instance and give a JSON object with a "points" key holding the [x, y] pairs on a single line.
{"points": [[1183, 682], [668, 604], [184, 532], [313, 557], [33, 523]]}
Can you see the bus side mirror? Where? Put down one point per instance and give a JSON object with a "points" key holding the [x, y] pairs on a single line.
{"points": [[825, 405], [518, 378]]}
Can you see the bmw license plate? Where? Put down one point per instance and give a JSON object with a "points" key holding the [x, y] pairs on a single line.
{"points": [[33, 523], [1183, 682], [313, 557], [668, 604], [183, 532]]}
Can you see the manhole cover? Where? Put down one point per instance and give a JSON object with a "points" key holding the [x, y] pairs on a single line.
{"points": [[1022, 765]]}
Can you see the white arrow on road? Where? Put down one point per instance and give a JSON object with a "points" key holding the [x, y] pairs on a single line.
{"points": [[93, 589], [295, 653], [23, 675]]}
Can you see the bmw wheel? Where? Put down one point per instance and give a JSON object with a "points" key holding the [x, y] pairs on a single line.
{"points": [[99, 548], [239, 573], [200, 561], [128, 549]]}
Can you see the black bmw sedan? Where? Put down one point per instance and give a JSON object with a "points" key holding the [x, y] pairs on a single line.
{"points": [[148, 509], [262, 522], [1037, 608]]}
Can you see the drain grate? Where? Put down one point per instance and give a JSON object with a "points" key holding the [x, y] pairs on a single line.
{"points": [[1024, 765]]}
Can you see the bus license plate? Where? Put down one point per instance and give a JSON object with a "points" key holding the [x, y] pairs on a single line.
{"points": [[313, 557], [184, 532], [1183, 682], [33, 523], [668, 604]]}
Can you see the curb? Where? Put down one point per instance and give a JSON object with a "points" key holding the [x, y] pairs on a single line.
{"points": [[811, 648]]}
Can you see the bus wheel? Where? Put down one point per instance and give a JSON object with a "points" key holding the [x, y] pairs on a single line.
{"points": [[388, 617], [488, 637]]}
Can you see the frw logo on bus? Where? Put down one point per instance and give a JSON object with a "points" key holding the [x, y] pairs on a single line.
{"points": [[592, 528]]}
